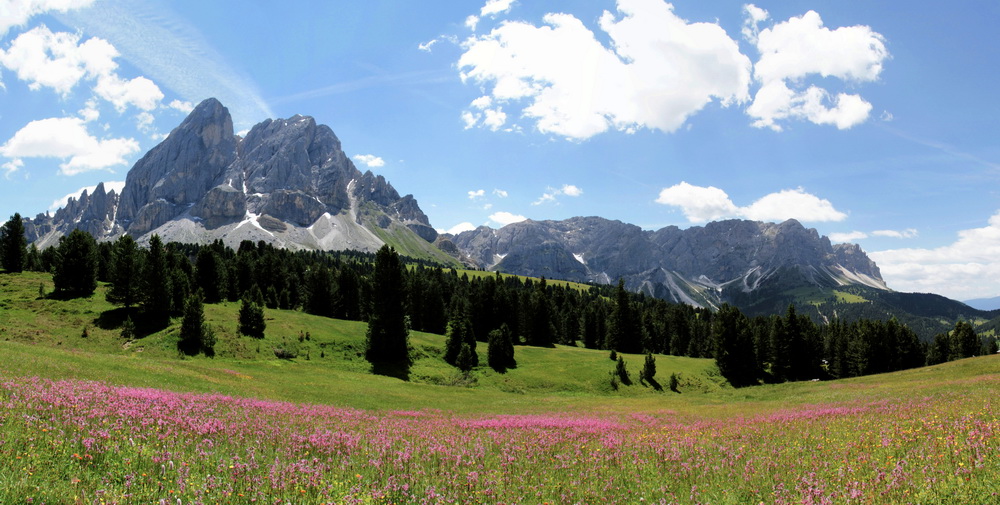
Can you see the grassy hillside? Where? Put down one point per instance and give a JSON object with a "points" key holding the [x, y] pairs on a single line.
{"points": [[46, 337], [320, 429]]}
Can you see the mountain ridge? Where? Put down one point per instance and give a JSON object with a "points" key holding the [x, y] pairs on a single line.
{"points": [[287, 182]]}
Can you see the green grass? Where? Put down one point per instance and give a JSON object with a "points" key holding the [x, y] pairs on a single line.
{"points": [[923, 436], [43, 337], [845, 297]]}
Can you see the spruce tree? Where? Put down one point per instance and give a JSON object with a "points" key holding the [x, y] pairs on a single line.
{"points": [[964, 341], [467, 358], [387, 338], [13, 245], [128, 330], [251, 317], [76, 265], [500, 353], [623, 332], [193, 326], [125, 273], [649, 368], [156, 285]]}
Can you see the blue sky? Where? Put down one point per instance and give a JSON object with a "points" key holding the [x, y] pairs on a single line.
{"points": [[873, 124]]}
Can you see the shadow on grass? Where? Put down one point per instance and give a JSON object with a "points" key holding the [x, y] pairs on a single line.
{"points": [[399, 371], [115, 318]]}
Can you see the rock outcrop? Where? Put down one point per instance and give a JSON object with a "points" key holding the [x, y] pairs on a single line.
{"points": [[288, 182], [698, 265]]}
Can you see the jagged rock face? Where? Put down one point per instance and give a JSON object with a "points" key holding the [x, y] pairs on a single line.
{"points": [[92, 213], [694, 266], [178, 172], [288, 182]]}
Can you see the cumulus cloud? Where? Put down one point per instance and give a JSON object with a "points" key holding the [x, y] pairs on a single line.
{"points": [[59, 61], [551, 194], [500, 193], [479, 193], [369, 160], [967, 268], [702, 204], [848, 237], [68, 139], [657, 71], [182, 106], [116, 186], [792, 50], [495, 7], [505, 218], [18, 12]]}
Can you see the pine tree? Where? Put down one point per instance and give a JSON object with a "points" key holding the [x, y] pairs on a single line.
{"points": [[387, 338], [13, 245], [622, 372], [467, 358], [192, 338], [125, 273], [500, 353], [156, 291], [623, 332], [76, 264], [128, 330], [734, 353], [964, 341], [649, 368], [251, 317]]}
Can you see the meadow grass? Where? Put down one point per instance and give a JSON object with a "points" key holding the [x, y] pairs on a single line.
{"points": [[91, 420]]}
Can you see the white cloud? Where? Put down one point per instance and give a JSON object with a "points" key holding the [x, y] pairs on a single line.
{"points": [[182, 106], [12, 166], [470, 119], [369, 160], [551, 194], [495, 7], [968, 268], [658, 70], [479, 193], [849, 237], [17, 12], [800, 47], [505, 218], [482, 102], [753, 16], [792, 204], [471, 22], [68, 139], [907, 233], [426, 46], [89, 112], [116, 186], [494, 118], [500, 193], [144, 121], [59, 61], [701, 204], [459, 228], [571, 190]]}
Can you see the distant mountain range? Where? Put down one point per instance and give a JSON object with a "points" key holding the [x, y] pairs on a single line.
{"points": [[289, 183]]}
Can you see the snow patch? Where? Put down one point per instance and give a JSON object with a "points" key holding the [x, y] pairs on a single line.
{"points": [[579, 257]]}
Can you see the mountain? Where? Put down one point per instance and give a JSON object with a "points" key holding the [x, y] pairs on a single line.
{"points": [[759, 267], [698, 265], [288, 182], [984, 303]]}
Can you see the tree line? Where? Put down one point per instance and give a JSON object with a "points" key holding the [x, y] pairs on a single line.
{"points": [[169, 280]]}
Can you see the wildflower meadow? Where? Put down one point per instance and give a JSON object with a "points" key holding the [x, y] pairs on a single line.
{"points": [[72, 441]]}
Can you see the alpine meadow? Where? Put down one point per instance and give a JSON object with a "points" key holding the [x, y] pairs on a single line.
{"points": [[676, 253]]}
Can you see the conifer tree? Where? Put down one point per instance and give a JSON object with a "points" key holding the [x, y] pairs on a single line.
{"points": [[125, 273], [500, 353], [467, 359], [649, 368], [964, 341], [193, 331], [76, 264], [387, 338], [251, 317], [623, 332], [128, 329], [13, 245], [156, 291]]}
